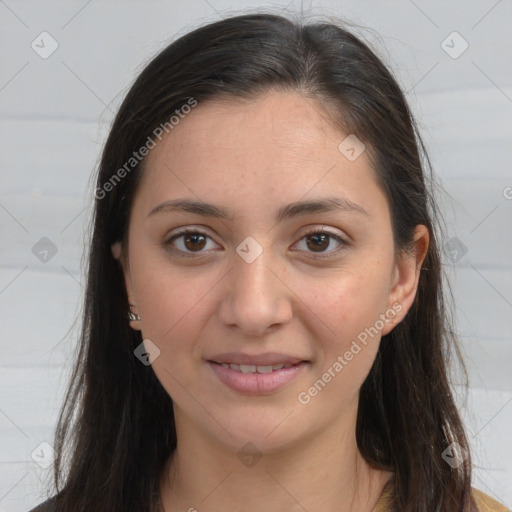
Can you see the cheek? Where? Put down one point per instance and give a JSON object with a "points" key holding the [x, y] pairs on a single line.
{"points": [[350, 304], [173, 309], [349, 301], [169, 299], [351, 308]]}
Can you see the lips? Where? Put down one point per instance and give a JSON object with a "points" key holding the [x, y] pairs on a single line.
{"points": [[256, 374]]}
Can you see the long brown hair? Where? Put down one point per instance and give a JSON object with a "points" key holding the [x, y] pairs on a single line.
{"points": [[116, 428]]}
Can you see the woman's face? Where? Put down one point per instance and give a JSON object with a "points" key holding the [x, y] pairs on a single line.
{"points": [[249, 284]]}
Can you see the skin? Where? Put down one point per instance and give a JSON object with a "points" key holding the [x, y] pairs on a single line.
{"points": [[254, 157]]}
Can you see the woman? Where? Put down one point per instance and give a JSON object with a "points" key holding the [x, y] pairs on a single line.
{"points": [[264, 326]]}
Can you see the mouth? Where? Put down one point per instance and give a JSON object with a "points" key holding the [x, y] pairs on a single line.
{"points": [[257, 379]]}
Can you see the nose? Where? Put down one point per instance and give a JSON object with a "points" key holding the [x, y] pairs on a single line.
{"points": [[256, 298]]}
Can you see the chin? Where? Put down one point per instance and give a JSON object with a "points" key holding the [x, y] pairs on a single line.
{"points": [[239, 428]]}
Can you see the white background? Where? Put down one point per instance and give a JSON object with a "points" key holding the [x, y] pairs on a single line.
{"points": [[55, 113]]}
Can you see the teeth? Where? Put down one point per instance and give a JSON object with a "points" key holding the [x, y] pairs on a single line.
{"points": [[252, 368], [263, 369]]}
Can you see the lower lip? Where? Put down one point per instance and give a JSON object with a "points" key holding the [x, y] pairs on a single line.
{"points": [[256, 383]]}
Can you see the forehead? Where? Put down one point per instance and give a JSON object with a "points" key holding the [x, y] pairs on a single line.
{"points": [[287, 117], [278, 143]]}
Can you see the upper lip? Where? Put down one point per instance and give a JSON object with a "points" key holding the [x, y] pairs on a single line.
{"points": [[267, 359]]}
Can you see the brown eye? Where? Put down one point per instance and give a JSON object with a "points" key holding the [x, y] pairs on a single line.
{"points": [[189, 241], [318, 241], [194, 241]]}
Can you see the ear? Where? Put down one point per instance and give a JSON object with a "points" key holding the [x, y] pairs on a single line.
{"points": [[118, 254], [406, 275]]}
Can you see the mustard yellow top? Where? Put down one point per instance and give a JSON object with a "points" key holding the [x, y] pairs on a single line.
{"points": [[484, 502]]}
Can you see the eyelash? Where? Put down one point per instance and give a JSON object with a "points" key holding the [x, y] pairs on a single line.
{"points": [[343, 243]]}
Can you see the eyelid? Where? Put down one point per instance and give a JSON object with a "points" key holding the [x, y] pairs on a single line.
{"points": [[323, 229], [189, 229]]}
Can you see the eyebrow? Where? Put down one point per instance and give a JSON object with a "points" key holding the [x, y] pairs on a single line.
{"points": [[289, 211]]}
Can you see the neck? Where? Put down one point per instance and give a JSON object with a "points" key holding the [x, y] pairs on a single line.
{"points": [[325, 472]]}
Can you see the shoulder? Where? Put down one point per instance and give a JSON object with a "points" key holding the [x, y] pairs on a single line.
{"points": [[485, 503], [47, 506]]}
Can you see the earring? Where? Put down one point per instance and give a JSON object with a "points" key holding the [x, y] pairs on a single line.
{"points": [[132, 317]]}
